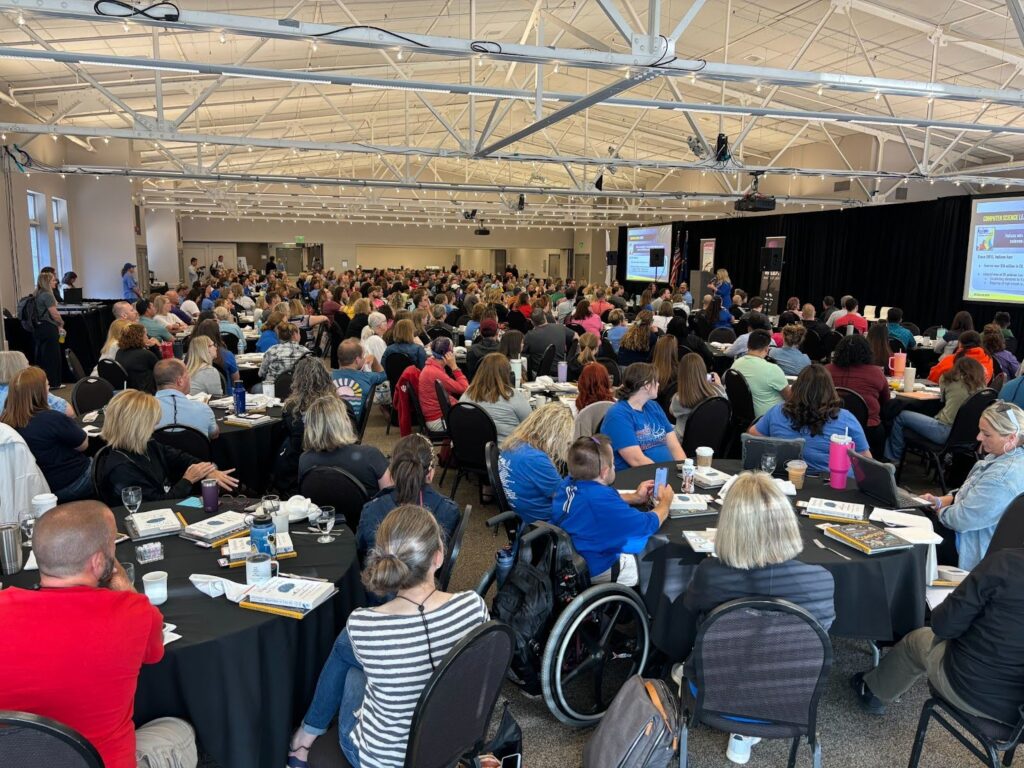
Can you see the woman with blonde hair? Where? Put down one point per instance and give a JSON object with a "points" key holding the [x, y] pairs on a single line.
{"points": [[638, 341], [529, 457], [328, 440], [13, 362], [310, 381], [109, 349], [757, 545], [136, 459], [163, 315], [205, 379], [587, 354], [385, 656], [723, 287], [492, 390], [693, 387], [976, 508], [55, 440], [403, 339]]}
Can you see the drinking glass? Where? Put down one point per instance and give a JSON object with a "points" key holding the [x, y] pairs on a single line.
{"points": [[27, 521], [129, 571], [324, 524], [270, 505], [131, 497], [768, 460]]}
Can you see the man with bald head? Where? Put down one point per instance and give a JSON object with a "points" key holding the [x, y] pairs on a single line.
{"points": [[72, 650], [124, 310]]}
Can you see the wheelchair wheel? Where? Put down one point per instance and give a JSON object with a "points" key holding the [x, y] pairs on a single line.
{"points": [[600, 640]]}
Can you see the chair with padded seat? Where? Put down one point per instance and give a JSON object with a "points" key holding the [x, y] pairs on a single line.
{"points": [[612, 366], [994, 737], [394, 364], [895, 345], [741, 401], [437, 332], [759, 668], [113, 372], [811, 345], [453, 713], [31, 740], [722, 335], [547, 362], [283, 386], [665, 399], [912, 327], [99, 461], [90, 394], [962, 437], [74, 364], [492, 458], [435, 437], [364, 415], [589, 419], [829, 344], [753, 447], [452, 548], [471, 428], [443, 399], [707, 425], [854, 403], [335, 487], [231, 342], [1009, 532], [187, 439]]}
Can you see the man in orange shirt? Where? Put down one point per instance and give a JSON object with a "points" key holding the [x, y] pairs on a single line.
{"points": [[852, 317], [599, 306]]}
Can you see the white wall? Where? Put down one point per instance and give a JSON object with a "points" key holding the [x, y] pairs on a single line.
{"points": [[161, 229], [102, 232]]}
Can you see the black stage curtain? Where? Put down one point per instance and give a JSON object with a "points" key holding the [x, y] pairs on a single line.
{"points": [[910, 255]]}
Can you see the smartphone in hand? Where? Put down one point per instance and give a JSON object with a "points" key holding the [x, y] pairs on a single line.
{"points": [[660, 479]]}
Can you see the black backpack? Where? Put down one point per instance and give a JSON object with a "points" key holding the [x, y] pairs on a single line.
{"points": [[27, 312], [548, 574]]}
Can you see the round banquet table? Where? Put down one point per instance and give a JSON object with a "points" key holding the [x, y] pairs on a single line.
{"points": [[242, 678], [879, 598], [250, 450]]}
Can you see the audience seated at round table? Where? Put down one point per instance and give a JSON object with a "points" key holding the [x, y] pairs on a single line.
{"points": [[639, 431]]}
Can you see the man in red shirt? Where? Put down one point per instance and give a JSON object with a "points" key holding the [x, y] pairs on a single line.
{"points": [[852, 317], [72, 650], [599, 306]]}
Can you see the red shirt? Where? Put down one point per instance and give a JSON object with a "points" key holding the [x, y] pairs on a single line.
{"points": [[525, 310], [868, 381], [74, 654], [454, 385], [854, 319]]}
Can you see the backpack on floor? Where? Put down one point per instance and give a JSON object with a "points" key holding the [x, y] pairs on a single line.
{"points": [[639, 730]]}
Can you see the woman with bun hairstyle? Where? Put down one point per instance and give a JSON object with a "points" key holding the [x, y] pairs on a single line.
{"points": [[370, 684]]}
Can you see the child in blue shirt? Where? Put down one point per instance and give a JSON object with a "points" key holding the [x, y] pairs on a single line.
{"points": [[604, 528]]}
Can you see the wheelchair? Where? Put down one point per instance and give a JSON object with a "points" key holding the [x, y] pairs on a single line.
{"points": [[596, 636]]}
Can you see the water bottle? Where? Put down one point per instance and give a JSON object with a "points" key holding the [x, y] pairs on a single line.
{"points": [[688, 472], [504, 560], [239, 395]]}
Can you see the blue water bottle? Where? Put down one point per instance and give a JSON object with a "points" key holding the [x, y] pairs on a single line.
{"points": [[504, 561], [239, 395]]}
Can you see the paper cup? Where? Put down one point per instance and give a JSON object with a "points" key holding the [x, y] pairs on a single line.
{"points": [[154, 584], [797, 470]]}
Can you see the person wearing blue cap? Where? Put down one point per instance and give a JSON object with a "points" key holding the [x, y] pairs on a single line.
{"points": [[129, 285]]}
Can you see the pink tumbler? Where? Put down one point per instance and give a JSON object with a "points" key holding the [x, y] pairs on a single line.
{"points": [[838, 460]]}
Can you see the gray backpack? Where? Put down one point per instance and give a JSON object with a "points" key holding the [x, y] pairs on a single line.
{"points": [[639, 730]]}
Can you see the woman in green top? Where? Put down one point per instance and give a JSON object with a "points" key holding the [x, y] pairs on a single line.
{"points": [[957, 385]]}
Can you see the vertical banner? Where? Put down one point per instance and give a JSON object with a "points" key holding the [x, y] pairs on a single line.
{"points": [[707, 255]]}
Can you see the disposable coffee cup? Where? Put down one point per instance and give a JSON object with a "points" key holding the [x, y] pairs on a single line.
{"points": [[154, 584], [909, 376], [43, 502], [281, 520], [797, 469], [704, 456], [268, 389], [469, 343]]}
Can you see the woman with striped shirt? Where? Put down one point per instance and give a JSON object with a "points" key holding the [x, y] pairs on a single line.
{"points": [[385, 655]]}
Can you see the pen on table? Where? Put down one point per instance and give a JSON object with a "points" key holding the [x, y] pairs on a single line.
{"points": [[297, 576], [833, 551]]}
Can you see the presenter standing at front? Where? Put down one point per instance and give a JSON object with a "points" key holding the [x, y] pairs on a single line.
{"points": [[723, 287]]}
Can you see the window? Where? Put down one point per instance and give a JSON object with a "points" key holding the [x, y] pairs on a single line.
{"points": [[38, 239], [61, 236]]}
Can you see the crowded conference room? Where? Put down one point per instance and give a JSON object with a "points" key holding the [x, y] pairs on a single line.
{"points": [[520, 384]]}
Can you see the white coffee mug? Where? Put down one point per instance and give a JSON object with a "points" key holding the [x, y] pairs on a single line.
{"points": [[259, 568], [43, 502], [154, 584]]}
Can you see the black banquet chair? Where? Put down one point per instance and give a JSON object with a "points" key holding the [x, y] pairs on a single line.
{"points": [[31, 740], [74, 364], [112, 371], [454, 710], [722, 335], [394, 366], [994, 737], [364, 415], [707, 425], [471, 428], [741, 402], [444, 574], [333, 486], [90, 394], [854, 403], [282, 386], [547, 361], [760, 667], [185, 438], [1009, 532], [443, 399], [613, 369], [231, 342]]}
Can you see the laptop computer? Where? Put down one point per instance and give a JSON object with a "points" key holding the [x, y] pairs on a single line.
{"points": [[72, 295], [878, 480]]}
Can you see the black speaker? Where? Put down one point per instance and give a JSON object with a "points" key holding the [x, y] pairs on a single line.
{"points": [[611, 258], [657, 257], [771, 259]]}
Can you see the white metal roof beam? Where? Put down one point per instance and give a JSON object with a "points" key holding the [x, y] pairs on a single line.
{"points": [[464, 48]]}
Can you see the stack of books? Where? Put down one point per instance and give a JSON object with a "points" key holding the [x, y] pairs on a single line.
{"points": [[248, 419], [214, 531], [833, 511], [286, 596], [153, 524], [866, 538], [708, 477], [235, 551]]}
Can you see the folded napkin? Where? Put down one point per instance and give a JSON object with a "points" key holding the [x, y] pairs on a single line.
{"points": [[215, 586], [31, 564]]}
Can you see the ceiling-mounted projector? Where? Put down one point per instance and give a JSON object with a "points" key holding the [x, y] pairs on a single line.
{"points": [[481, 231], [754, 200]]}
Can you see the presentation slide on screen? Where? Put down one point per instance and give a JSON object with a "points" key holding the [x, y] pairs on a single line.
{"points": [[639, 241], [995, 262]]}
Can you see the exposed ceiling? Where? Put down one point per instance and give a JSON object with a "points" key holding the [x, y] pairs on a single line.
{"points": [[362, 110]]}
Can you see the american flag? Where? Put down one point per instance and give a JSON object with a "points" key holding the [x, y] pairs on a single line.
{"points": [[677, 259]]}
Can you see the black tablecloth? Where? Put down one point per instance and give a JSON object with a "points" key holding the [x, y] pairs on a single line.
{"points": [[86, 332], [250, 450], [880, 597], [242, 678]]}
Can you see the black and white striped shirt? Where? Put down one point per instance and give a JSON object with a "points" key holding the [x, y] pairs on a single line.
{"points": [[393, 653]]}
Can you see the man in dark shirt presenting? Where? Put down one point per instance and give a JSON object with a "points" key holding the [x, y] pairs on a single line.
{"points": [[973, 654], [72, 650]]}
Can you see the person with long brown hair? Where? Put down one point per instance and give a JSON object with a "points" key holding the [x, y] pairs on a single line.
{"points": [[587, 320], [694, 386], [492, 389], [55, 440], [878, 340], [813, 412], [963, 379], [665, 360], [994, 343], [962, 322], [636, 346], [137, 361], [637, 426]]}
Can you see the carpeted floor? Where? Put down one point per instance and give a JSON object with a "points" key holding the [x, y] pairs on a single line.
{"points": [[850, 738]]}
